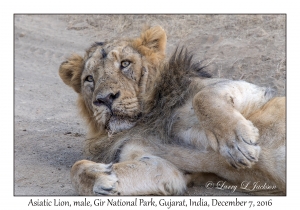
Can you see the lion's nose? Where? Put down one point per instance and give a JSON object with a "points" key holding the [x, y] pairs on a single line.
{"points": [[107, 100]]}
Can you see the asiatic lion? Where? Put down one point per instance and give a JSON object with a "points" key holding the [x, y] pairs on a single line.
{"points": [[153, 122]]}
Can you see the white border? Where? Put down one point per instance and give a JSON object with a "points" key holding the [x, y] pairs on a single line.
{"points": [[154, 6]]}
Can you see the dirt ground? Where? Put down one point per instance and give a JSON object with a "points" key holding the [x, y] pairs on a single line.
{"points": [[48, 132]]}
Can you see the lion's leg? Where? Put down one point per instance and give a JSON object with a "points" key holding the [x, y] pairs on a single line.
{"points": [[271, 122], [143, 176], [270, 119], [221, 110]]}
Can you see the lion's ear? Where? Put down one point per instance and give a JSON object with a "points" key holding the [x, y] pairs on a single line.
{"points": [[70, 72], [152, 43]]}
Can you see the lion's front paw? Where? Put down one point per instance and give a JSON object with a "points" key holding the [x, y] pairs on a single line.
{"points": [[240, 147], [106, 182], [90, 178]]}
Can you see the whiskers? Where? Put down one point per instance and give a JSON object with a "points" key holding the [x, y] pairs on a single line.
{"points": [[129, 107], [101, 115]]}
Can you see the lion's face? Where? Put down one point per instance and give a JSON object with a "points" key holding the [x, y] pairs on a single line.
{"points": [[113, 76], [111, 84]]}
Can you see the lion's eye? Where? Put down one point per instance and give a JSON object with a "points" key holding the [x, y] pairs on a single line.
{"points": [[124, 64], [89, 78]]}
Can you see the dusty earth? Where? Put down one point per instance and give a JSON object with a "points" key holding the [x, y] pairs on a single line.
{"points": [[48, 132]]}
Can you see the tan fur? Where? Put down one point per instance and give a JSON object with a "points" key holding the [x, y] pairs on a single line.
{"points": [[152, 44], [158, 120], [70, 72]]}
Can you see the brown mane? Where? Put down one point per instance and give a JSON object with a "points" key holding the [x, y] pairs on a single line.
{"points": [[171, 91]]}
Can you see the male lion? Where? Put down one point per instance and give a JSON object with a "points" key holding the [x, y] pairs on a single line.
{"points": [[152, 122]]}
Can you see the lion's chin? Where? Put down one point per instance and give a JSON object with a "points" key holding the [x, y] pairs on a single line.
{"points": [[117, 124]]}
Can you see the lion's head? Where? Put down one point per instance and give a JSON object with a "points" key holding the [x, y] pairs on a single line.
{"points": [[113, 77]]}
